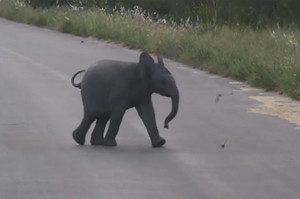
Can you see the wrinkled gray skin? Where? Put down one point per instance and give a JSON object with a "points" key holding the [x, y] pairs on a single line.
{"points": [[109, 88]]}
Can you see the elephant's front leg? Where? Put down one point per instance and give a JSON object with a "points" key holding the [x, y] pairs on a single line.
{"points": [[146, 112], [114, 125], [97, 134], [80, 133]]}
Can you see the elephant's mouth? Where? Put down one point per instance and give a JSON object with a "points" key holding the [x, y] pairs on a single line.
{"points": [[175, 104]]}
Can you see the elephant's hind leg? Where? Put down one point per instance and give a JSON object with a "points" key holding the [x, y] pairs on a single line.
{"points": [[115, 121], [97, 134], [80, 133]]}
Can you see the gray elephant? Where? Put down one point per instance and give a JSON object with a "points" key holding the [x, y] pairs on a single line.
{"points": [[109, 88]]}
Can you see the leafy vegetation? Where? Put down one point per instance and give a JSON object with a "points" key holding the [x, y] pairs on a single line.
{"points": [[256, 13], [266, 57]]}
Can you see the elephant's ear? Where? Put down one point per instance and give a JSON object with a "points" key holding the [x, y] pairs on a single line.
{"points": [[146, 60], [146, 65], [161, 64]]}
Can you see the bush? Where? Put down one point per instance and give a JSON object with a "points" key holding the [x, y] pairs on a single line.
{"points": [[41, 3], [256, 13]]}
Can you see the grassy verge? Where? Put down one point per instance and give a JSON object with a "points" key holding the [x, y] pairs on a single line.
{"points": [[266, 58]]}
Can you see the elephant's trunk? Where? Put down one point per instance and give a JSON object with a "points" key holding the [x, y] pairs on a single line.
{"points": [[175, 103]]}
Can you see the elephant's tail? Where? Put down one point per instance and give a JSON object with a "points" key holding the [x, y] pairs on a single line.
{"points": [[78, 85]]}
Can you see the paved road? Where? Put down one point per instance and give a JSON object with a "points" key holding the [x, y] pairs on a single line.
{"points": [[40, 109]]}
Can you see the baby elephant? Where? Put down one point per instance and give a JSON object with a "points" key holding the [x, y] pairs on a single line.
{"points": [[109, 88]]}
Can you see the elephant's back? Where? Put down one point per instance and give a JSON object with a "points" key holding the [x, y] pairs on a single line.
{"points": [[100, 81], [109, 70], [105, 73]]}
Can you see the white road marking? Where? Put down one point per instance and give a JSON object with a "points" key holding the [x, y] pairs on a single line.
{"points": [[39, 64]]}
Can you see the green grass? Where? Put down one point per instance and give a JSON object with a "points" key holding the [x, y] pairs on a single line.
{"points": [[265, 58]]}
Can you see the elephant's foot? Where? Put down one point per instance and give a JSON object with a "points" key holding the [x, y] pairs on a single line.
{"points": [[97, 141], [108, 142], [159, 142], [77, 136]]}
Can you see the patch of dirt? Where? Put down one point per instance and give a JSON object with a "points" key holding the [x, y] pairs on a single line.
{"points": [[277, 105], [272, 103]]}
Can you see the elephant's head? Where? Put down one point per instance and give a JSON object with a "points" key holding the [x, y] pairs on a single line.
{"points": [[158, 79]]}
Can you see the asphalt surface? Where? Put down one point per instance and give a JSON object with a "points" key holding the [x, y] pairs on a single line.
{"points": [[40, 109]]}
